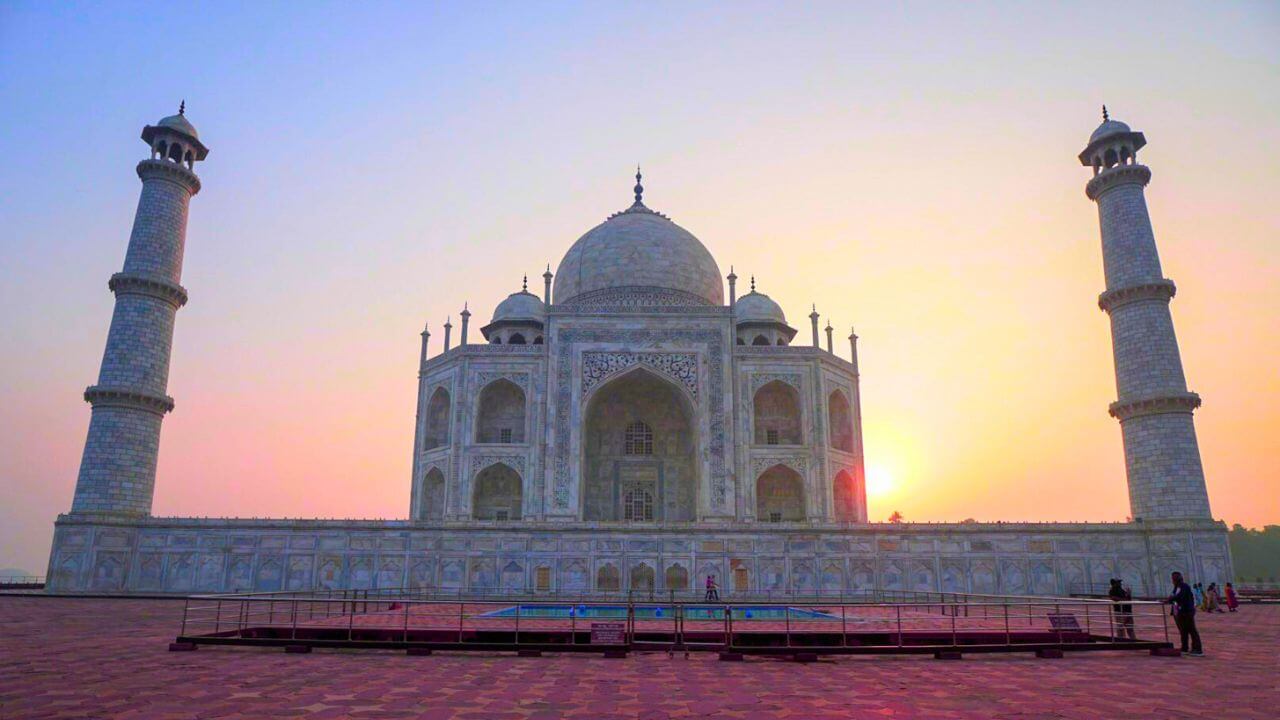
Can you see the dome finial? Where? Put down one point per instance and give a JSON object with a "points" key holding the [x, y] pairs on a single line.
{"points": [[1105, 116], [753, 283], [639, 189], [524, 285], [182, 107]]}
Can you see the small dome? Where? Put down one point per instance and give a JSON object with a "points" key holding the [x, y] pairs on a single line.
{"points": [[1108, 127], [523, 305], [757, 307], [179, 123]]}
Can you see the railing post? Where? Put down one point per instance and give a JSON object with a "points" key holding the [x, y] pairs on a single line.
{"points": [[844, 626], [788, 616], [293, 620], [1008, 634], [186, 607], [898, 608], [461, 617], [406, 619], [517, 624]]}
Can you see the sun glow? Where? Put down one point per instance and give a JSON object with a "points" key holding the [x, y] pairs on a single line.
{"points": [[880, 481]]}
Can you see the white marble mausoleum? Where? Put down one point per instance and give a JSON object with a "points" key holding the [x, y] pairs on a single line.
{"points": [[638, 425]]}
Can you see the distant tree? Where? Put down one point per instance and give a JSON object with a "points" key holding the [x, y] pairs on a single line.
{"points": [[896, 517], [968, 521], [1255, 553]]}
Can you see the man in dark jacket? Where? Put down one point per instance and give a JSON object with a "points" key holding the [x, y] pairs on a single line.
{"points": [[1123, 610], [1183, 601]]}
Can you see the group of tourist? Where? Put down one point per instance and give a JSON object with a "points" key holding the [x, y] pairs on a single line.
{"points": [[1185, 600], [1210, 600]]}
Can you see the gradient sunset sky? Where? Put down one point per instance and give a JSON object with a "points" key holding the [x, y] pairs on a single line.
{"points": [[910, 168]]}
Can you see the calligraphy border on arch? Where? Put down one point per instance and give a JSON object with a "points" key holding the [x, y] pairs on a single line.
{"points": [[600, 365]]}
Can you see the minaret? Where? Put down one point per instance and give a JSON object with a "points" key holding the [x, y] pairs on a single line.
{"points": [[830, 347], [546, 287], [733, 287], [466, 318], [813, 320], [426, 338], [1162, 458], [118, 468], [448, 330]]}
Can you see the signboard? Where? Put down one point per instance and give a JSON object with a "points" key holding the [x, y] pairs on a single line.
{"points": [[1064, 621], [608, 633]]}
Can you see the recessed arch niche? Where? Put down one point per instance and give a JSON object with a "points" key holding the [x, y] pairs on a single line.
{"points": [[639, 440]]}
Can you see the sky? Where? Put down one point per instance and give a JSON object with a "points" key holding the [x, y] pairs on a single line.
{"points": [[910, 168]]}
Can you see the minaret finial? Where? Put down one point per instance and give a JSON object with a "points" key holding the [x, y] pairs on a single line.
{"points": [[1105, 116], [182, 107], [753, 283], [639, 189], [524, 285]]}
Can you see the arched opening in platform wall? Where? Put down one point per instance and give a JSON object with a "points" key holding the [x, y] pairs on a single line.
{"points": [[608, 579], [500, 417], [638, 445], [780, 495], [436, 433], [845, 496], [776, 411], [642, 578], [498, 494], [677, 577], [840, 421], [431, 502]]}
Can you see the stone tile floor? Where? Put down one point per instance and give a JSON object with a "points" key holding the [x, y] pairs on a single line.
{"points": [[106, 658]]}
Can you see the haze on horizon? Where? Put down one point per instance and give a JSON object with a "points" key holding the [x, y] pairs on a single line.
{"points": [[910, 169]]}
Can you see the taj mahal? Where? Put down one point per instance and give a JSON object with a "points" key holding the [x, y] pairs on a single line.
{"points": [[636, 425]]}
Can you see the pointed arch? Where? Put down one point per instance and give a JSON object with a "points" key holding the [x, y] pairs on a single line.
{"points": [[776, 414], [639, 440], [500, 417], [840, 421], [431, 501], [607, 578], [498, 493], [780, 495], [516, 339], [845, 496], [436, 433], [677, 577], [760, 340], [642, 578]]}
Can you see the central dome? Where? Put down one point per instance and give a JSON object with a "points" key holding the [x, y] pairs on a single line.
{"points": [[638, 257]]}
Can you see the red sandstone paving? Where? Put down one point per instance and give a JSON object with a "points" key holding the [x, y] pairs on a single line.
{"points": [[104, 658]]}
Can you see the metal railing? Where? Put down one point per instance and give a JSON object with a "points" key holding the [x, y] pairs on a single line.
{"points": [[883, 622]]}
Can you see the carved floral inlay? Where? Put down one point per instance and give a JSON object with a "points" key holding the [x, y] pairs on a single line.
{"points": [[680, 367]]}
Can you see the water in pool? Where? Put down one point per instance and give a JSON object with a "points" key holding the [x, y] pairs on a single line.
{"points": [[658, 612]]}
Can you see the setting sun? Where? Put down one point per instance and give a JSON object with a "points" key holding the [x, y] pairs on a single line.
{"points": [[880, 481]]}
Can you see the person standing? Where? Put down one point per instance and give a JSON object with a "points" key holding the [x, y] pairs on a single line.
{"points": [[713, 590], [1233, 601], [1198, 591], [1183, 600], [1123, 610]]}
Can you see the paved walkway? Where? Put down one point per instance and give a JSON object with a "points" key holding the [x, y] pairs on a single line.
{"points": [[99, 658]]}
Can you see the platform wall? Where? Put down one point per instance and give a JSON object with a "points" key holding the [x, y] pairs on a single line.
{"points": [[182, 556]]}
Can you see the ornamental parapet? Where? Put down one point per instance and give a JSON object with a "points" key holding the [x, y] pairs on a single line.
{"points": [[171, 171], [1116, 176], [1159, 290], [127, 284], [104, 396], [1183, 402]]}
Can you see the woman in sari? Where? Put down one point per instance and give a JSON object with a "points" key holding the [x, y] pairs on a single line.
{"points": [[1233, 601]]}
